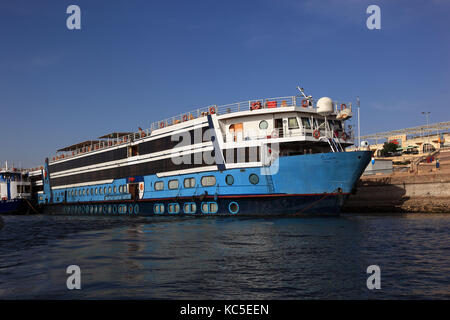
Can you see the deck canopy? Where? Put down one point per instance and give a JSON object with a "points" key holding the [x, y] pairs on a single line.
{"points": [[115, 135], [79, 145]]}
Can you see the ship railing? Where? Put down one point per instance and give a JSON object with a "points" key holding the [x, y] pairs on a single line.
{"points": [[254, 104], [280, 133]]}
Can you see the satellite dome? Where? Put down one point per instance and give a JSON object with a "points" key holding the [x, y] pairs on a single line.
{"points": [[325, 106]]}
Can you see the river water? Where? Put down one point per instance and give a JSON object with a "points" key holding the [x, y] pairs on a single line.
{"points": [[225, 257]]}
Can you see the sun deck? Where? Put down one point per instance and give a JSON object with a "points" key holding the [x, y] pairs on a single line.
{"points": [[117, 138]]}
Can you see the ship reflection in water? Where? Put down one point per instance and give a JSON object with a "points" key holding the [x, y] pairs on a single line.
{"points": [[225, 258]]}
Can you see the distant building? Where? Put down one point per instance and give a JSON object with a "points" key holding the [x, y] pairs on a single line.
{"points": [[416, 140]]}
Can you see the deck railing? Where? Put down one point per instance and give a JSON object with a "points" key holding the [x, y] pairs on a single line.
{"points": [[263, 103]]}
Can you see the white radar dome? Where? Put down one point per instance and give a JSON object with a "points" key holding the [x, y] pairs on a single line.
{"points": [[325, 106], [364, 143]]}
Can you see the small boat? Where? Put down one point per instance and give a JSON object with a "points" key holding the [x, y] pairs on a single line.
{"points": [[15, 191]]}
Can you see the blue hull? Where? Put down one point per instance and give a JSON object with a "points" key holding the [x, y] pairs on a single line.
{"points": [[17, 206], [316, 184]]}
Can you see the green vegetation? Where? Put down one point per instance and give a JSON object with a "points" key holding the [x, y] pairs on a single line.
{"points": [[389, 149]]}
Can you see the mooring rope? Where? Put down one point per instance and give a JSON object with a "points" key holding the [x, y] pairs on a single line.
{"points": [[314, 203], [31, 206]]}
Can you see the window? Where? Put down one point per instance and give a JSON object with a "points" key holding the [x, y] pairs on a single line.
{"points": [[133, 151], [293, 123], [320, 124], [189, 182], [120, 189], [124, 188], [263, 125], [115, 189], [87, 191], [105, 191], [306, 123], [84, 192], [96, 191], [100, 190], [173, 184], [331, 124], [109, 190], [159, 185], [253, 178], [229, 179], [208, 181]]}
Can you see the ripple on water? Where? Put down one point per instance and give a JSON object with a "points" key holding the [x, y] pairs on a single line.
{"points": [[225, 258]]}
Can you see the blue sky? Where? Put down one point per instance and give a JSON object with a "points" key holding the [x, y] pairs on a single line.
{"points": [[134, 62]]}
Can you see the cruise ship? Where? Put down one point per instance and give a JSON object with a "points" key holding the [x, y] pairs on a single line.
{"points": [[277, 156]]}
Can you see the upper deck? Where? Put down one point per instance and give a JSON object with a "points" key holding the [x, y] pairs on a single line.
{"points": [[278, 104]]}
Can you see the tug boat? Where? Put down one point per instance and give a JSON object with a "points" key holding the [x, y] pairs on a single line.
{"points": [[15, 191], [277, 156]]}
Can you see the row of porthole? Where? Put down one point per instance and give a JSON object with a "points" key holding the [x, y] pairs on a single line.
{"points": [[191, 208], [206, 181], [92, 191], [159, 208], [106, 209]]}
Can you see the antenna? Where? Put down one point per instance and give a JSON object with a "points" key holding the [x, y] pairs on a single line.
{"points": [[303, 93]]}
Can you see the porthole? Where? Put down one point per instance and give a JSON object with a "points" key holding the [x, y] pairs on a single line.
{"points": [[120, 189], [263, 125], [84, 192], [233, 207], [115, 189], [253, 178], [96, 191], [208, 181], [110, 190], [173, 184], [189, 182], [190, 207], [105, 190], [174, 208], [213, 207], [209, 207], [158, 208], [229, 179], [159, 185]]}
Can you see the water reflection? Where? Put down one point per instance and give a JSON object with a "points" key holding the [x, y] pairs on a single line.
{"points": [[225, 258]]}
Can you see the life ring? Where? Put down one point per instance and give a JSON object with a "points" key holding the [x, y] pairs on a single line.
{"points": [[343, 106], [256, 105], [274, 134], [305, 103], [185, 117], [344, 136], [316, 134], [162, 124], [212, 110]]}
